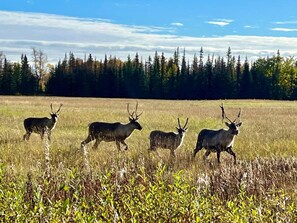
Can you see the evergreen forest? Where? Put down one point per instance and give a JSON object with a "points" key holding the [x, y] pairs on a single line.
{"points": [[155, 77]]}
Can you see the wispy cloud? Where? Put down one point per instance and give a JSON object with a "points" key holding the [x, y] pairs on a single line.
{"points": [[57, 35], [220, 22], [284, 29], [31, 2], [250, 27], [176, 24], [286, 22]]}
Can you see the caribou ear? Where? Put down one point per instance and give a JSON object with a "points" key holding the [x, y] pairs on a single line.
{"points": [[227, 124], [130, 119], [239, 124]]}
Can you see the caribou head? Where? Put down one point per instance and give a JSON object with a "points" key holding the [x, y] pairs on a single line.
{"points": [[133, 117], [53, 114], [233, 125]]}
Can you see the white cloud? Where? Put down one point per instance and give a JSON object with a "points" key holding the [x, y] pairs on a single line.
{"points": [[57, 35], [176, 24], [286, 22], [250, 27], [220, 22], [31, 2], [284, 29]]}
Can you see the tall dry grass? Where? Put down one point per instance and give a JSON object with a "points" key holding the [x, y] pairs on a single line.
{"points": [[268, 130]]}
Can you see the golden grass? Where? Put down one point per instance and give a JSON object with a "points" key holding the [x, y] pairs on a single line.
{"points": [[268, 131]]}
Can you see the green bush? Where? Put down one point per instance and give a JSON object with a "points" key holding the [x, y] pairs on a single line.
{"points": [[133, 194]]}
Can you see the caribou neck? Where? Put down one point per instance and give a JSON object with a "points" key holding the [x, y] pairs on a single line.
{"points": [[229, 137], [180, 138], [181, 135], [129, 127], [52, 122], [228, 133]]}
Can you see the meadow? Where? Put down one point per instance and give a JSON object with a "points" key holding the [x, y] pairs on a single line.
{"points": [[138, 186]]}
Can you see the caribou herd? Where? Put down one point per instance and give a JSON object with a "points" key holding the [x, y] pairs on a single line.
{"points": [[211, 140]]}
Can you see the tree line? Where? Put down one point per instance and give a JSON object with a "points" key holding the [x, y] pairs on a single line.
{"points": [[157, 77]]}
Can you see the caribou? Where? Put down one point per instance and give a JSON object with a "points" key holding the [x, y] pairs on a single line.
{"points": [[219, 140], [110, 132], [41, 125], [168, 140]]}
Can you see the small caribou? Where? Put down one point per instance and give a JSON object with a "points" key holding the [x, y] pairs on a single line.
{"points": [[41, 125], [110, 132], [219, 140], [168, 140]]}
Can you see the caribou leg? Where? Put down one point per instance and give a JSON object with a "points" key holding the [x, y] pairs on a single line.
{"points": [[26, 136], [96, 144], [49, 136], [153, 147], [230, 151], [123, 142], [172, 153], [206, 154], [118, 145], [218, 156], [86, 141], [197, 148], [42, 135]]}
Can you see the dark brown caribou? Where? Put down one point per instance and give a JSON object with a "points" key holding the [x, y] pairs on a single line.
{"points": [[219, 140], [41, 125], [113, 132], [168, 140]]}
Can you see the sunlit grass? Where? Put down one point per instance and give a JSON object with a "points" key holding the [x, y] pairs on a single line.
{"points": [[268, 130]]}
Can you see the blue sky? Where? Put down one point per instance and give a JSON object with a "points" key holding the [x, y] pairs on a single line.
{"points": [[121, 28]]}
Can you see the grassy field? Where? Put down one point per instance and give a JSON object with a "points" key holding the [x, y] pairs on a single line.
{"points": [[261, 184]]}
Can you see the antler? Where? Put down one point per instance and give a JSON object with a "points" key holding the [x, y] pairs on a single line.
{"points": [[179, 126], [137, 116], [59, 108], [186, 123], [223, 113], [238, 116], [131, 115], [52, 108], [178, 123]]}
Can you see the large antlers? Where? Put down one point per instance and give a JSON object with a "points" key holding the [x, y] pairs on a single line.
{"points": [[57, 110], [225, 116], [131, 115], [184, 125]]}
